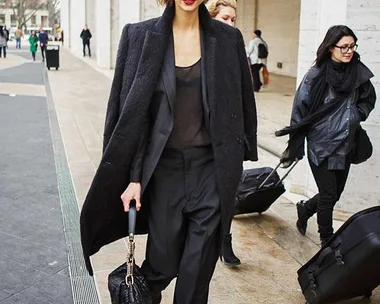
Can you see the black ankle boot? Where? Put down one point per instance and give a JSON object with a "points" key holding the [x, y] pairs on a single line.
{"points": [[229, 258], [303, 217]]}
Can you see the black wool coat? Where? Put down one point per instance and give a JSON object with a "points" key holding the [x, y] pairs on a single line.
{"points": [[139, 67]]}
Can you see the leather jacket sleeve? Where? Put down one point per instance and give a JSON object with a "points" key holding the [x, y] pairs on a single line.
{"points": [[300, 105], [367, 99], [301, 101], [249, 104]]}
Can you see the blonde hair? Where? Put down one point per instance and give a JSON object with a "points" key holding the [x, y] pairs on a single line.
{"points": [[213, 6]]}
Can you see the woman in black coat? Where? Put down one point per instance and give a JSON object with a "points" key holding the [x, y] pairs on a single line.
{"points": [[335, 96], [180, 121]]}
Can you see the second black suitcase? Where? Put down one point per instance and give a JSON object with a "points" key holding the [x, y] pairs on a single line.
{"points": [[258, 189], [349, 264]]}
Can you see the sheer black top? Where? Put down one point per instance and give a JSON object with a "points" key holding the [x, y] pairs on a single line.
{"points": [[189, 128]]}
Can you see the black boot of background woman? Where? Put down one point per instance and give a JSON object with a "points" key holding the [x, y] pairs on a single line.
{"points": [[335, 96]]}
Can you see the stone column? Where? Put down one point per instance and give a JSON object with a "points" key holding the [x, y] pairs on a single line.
{"points": [[77, 22], [315, 19], [65, 21], [103, 32], [246, 18], [362, 17], [92, 20], [129, 12]]}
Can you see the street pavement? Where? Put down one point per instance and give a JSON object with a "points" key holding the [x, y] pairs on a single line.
{"points": [[33, 254], [51, 138]]}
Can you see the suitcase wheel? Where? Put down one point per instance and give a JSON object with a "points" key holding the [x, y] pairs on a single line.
{"points": [[49, 68], [56, 69]]}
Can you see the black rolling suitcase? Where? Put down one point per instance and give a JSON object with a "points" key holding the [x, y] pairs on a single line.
{"points": [[52, 56], [258, 189], [348, 266]]}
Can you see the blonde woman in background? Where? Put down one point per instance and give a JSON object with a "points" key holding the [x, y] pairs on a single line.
{"points": [[225, 11]]}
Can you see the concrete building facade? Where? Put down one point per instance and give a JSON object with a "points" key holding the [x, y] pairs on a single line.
{"points": [[293, 30], [39, 16]]}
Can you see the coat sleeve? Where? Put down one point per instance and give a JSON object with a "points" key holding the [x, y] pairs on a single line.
{"points": [[249, 104], [367, 99], [138, 159], [112, 115]]}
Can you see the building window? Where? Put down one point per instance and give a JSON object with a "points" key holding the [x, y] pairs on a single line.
{"points": [[13, 21], [2, 19], [33, 20]]}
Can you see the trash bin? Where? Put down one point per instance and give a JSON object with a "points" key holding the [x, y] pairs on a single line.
{"points": [[52, 56]]}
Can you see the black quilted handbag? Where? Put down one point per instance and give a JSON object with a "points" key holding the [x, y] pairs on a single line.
{"points": [[127, 284]]}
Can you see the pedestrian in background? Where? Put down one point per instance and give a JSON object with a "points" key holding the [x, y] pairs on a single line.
{"points": [[86, 37], [33, 42], [335, 96], [225, 11], [7, 32], [18, 34], [62, 38], [3, 42], [43, 39], [197, 123], [258, 54]]}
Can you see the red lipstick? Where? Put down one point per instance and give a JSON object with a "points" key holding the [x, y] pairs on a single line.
{"points": [[189, 2]]}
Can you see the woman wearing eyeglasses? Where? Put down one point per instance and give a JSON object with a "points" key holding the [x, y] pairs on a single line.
{"points": [[335, 95]]}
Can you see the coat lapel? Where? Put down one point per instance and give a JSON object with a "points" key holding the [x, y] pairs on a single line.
{"points": [[168, 73], [208, 45], [206, 107], [150, 63], [210, 68]]}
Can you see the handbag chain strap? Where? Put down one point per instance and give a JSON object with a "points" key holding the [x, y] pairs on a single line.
{"points": [[130, 260]]}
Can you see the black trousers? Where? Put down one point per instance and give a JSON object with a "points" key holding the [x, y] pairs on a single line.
{"points": [[255, 68], [43, 49], [330, 184], [86, 43], [184, 223]]}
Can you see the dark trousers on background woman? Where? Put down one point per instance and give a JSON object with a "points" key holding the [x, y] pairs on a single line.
{"points": [[43, 49], [4, 51], [86, 43], [184, 225], [255, 69], [330, 185]]}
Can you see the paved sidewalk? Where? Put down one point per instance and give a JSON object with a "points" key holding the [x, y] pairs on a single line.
{"points": [[33, 252], [269, 246]]}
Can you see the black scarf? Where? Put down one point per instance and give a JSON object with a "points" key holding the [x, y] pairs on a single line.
{"points": [[342, 78]]}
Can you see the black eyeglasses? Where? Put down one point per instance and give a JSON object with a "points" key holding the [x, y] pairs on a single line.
{"points": [[345, 49]]}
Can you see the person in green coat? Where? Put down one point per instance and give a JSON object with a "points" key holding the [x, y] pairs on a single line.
{"points": [[33, 41]]}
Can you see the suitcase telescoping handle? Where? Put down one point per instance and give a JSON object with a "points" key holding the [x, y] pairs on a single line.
{"points": [[283, 178]]}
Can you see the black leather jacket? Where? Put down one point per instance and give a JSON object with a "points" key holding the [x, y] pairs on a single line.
{"points": [[333, 137]]}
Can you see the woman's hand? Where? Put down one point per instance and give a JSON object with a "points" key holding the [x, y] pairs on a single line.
{"points": [[133, 192]]}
